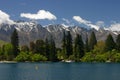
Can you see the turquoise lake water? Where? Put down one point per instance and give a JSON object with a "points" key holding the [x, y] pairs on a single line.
{"points": [[59, 71]]}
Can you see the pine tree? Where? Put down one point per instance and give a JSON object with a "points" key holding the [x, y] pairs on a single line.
{"points": [[15, 42], [78, 48], [118, 43], [53, 53], [47, 48], [109, 43], [64, 45], [69, 47], [32, 47], [92, 41], [40, 47], [24, 48], [86, 44]]}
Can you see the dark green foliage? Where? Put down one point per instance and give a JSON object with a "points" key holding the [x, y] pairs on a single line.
{"points": [[118, 43], [64, 46], [53, 53], [40, 47], [38, 57], [22, 57], [109, 43], [110, 56], [78, 48], [24, 48], [15, 42], [47, 48], [8, 52], [92, 41], [32, 47], [69, 47], [86, 45], [26, 56]]}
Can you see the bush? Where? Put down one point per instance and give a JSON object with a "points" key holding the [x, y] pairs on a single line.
{"points": [[117, 57], [89, 57], [23, 56], [8, 52], [38, 57], [100, 58]]}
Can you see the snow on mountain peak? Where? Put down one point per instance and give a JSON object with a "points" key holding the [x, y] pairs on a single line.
{"points": [[66, 26], [94, 26], [25, 26], [115, 27]]}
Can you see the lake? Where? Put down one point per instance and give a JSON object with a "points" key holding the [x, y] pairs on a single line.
{"points": [[59, 71]]}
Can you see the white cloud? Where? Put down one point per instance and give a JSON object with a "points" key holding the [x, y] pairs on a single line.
{"points": [[100, 23], [41, 14], [66, 20], [5, 18], [85, 22], [80, 20], [67, 23], [115, 27]]}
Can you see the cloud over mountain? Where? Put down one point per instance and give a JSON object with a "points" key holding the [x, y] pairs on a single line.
{"points": [[41, 14], [80, 20], [5, 18], [100, 23], [85, 22], [115, 27], [66, 20]]}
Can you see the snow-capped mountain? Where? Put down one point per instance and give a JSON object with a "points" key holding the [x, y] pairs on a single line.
{"points": [[31, 31]]}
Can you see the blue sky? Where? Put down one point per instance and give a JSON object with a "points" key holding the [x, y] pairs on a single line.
{"points": [[106, 11]]}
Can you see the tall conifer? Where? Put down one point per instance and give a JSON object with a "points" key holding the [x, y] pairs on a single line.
{"points": [[69, 47], [15, 42], [86, 44], [118, 43], [78, 47], [92, 41], [53, 53], [64, 46], [47, 48], [109, 43]]}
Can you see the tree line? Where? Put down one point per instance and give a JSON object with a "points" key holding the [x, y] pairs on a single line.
{"points": [[77, 50]]}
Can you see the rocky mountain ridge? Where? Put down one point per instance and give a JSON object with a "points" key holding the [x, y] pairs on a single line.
{"points": [[31, 31]]}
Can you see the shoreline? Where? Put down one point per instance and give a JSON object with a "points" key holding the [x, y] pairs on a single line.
{"points": [[64, 61], [8, 62]]}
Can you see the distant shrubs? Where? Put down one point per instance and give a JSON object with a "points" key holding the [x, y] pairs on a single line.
{"points": [[25, 56], [111, 56], [38, 57]]}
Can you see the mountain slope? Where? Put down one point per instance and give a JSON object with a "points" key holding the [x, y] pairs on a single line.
{"points": [[31, 31]]}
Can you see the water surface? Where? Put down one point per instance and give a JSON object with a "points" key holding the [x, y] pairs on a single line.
{"points": [[60, 71]]}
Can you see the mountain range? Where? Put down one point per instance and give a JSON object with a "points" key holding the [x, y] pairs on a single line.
{"points": [[30, 31]]}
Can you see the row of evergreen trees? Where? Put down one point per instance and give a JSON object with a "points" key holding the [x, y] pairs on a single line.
{"points": [[70, 49], [45, 48], [77, 48]]}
